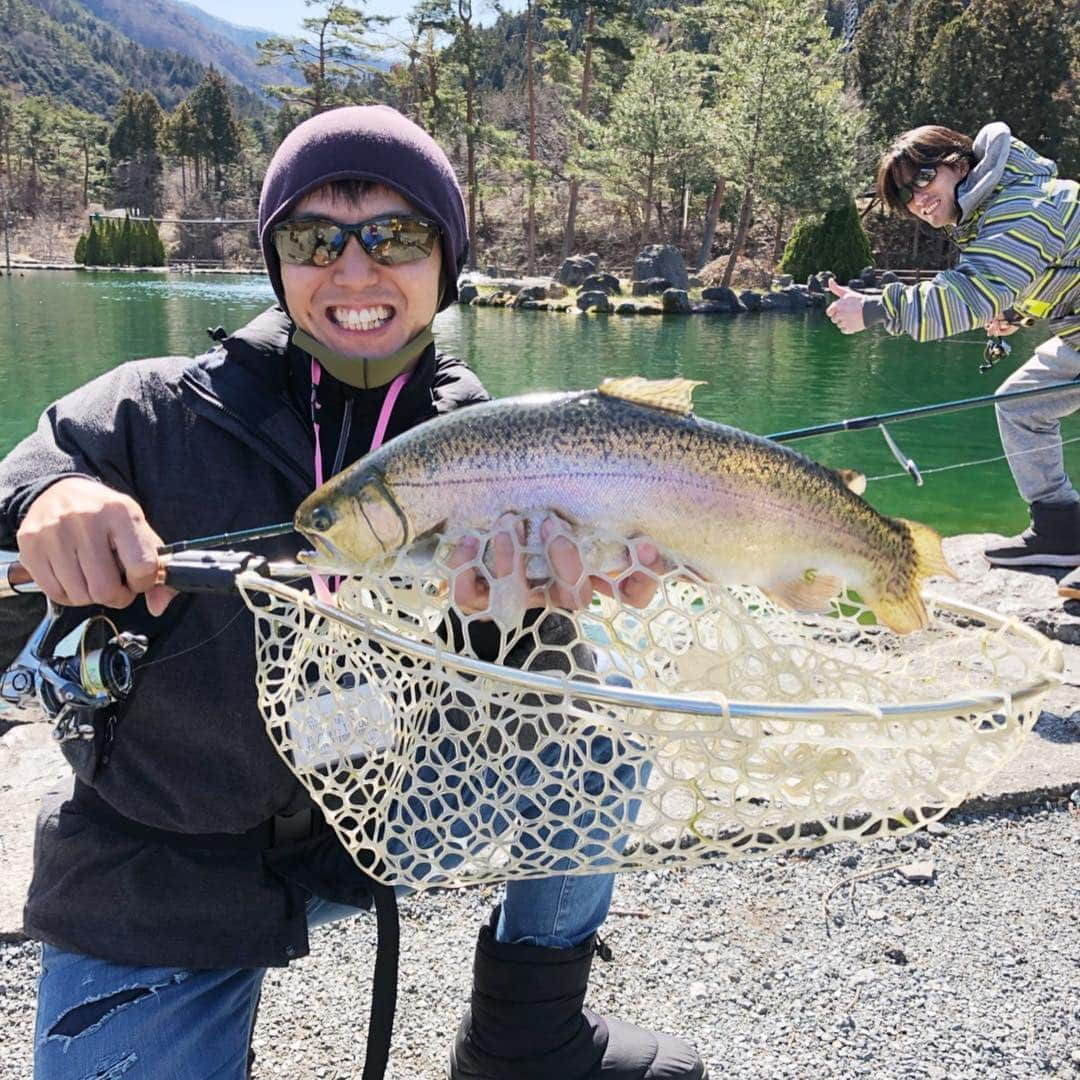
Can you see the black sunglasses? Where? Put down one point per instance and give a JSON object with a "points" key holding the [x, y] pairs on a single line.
{"points": [[390, 239], [923, 178]]}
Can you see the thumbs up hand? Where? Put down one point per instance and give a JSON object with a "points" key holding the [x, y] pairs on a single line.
{"points": [[846, 311]]}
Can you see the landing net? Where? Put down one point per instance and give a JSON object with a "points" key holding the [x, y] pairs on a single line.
{"points": [[448, 749]]}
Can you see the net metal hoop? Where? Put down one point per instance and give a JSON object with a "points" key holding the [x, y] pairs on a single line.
{"points": [[618, 695], [545, 773]]}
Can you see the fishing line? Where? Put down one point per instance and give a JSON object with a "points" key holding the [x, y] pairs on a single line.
{"points": [[968, 464], [198, 645]]}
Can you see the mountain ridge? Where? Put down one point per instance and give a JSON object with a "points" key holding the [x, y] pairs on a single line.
{"points": [[187, 29], [64, 50]]}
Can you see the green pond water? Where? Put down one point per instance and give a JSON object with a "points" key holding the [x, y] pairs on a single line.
{"points": [[765, 373]]}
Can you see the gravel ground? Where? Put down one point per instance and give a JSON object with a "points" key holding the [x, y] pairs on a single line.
{"points": [[975, 974]]}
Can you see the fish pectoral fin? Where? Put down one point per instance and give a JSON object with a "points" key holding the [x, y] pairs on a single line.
{"points": [[670, 395], [810, 591], [853, 480], [929, 554]]}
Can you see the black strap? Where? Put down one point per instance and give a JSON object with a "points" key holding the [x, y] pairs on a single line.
{"points": [[384, 983], [385, 979]]}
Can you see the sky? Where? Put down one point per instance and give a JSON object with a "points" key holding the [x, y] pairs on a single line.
{"points": [[284, 16]]}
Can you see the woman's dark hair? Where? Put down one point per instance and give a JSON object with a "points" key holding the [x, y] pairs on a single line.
{"points": [[914, 150]]}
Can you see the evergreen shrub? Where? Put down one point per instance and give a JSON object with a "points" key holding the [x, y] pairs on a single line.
{"points": [[111, 242], [834, 241]]}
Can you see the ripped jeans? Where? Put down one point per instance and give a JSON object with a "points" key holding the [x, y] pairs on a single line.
{"points": [[101, 1021]]}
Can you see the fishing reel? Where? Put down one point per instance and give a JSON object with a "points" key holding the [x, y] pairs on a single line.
{"points": [[997, 348], [77, 689]]}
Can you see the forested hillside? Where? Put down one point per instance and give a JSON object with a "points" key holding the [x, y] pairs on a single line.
{"points": [[165, 25], [58, 48], [578, 125]]}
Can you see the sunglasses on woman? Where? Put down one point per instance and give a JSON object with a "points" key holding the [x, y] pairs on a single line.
{"points": [[390, 239], [923, 178]]}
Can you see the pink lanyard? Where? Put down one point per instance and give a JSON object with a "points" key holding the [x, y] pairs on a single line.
{"points": [[322, 588]]}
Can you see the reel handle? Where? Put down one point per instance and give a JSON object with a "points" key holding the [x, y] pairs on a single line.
{"points": [[15, 578]]}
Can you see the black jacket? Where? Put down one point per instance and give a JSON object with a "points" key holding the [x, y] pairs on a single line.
{"points": [[219, 443]]}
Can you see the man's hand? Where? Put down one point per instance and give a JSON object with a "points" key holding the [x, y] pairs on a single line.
{"points": [[84, 543], [1001, 327], [846, 311], [570, 588]]}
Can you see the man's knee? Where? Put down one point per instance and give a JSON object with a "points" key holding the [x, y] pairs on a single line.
{"points": [[94, 1014], [91, 1014]]}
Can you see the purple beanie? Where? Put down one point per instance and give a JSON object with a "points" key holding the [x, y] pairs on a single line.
{"points": [[365, 142]]}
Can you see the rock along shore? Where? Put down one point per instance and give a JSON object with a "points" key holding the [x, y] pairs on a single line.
{"points": [[660, 285]]}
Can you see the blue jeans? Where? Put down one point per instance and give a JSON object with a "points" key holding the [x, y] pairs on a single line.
{"points": [[105, 1020]]}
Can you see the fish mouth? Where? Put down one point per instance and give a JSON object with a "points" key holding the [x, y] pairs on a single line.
{"points": [[326, 558]]}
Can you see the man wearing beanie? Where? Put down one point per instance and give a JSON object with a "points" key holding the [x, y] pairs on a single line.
{"points": [[184, 858]]}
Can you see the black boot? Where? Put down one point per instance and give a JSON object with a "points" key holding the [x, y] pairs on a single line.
{"points": [[1053, 539], [526, 1022]]}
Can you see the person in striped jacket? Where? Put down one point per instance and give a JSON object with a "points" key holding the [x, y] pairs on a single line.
{"points": [[1017, 225]]}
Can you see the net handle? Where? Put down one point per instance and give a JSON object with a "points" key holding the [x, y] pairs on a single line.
{"points": [[1053, 656], [186, 571]]}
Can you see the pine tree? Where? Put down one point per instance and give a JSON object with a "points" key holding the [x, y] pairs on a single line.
{"points": [[139, 120], [92, 252], [333, 56], [971, 76], [125, 253], [155, 254], [653, 137], [215, 129], [108, 242], [144, 244]]}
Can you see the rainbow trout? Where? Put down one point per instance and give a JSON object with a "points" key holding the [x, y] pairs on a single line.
{"points": [[631, 459]]}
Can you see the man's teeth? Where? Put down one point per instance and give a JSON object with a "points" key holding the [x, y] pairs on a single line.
{"points": [[361, 318]]}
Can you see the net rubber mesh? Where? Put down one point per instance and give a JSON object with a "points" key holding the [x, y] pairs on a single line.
{"points": [[448, 747]]}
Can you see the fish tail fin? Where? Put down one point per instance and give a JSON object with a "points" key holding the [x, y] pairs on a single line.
{"points": [[907, 612], [901, 614], [929, 555]]}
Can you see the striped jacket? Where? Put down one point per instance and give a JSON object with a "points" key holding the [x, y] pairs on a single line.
{"points": [[1020, 249]]}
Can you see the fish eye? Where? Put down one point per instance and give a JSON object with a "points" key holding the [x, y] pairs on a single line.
{"points": [[322, 518]]}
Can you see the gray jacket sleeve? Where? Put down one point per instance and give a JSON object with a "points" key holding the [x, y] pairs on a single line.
{"points": [[90, 432]]}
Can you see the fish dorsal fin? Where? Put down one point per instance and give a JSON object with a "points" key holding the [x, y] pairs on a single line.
{"points": [[671, 395], [853, 480]]}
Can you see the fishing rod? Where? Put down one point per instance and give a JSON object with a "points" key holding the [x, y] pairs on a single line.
{"points": [[879, 420], [225, 539]]}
